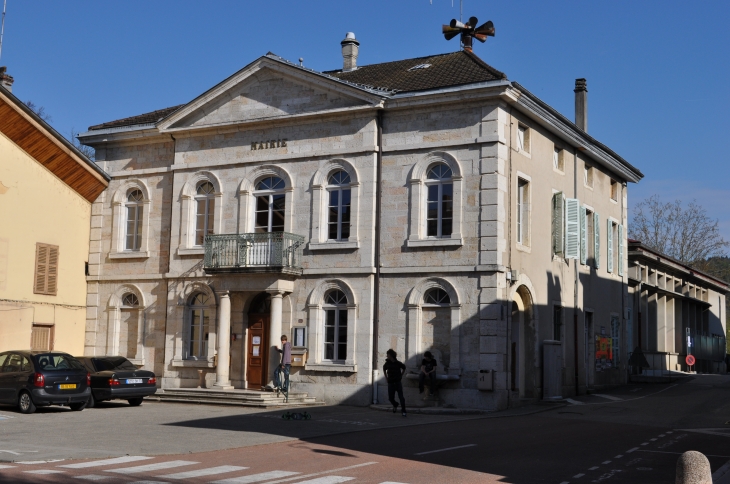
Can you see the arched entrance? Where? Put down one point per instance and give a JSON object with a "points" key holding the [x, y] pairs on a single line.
{"points": [[524, 370], [259, 317]]}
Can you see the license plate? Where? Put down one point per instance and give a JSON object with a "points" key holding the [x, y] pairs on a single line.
{"points": [[133, 381], [67, 386]]}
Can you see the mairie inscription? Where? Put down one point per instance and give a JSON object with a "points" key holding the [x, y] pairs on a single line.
{"points": [[268, 144]]}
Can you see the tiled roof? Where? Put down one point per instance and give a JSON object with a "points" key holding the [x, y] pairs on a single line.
{"points": [[146, 118], [422, 73]]}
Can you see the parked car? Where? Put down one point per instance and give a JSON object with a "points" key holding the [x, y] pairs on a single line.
{"points": [[31, 379], [115, 377]]}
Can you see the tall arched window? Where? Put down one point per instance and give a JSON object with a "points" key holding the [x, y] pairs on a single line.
{"points": [[335, 326], [133, 236], [338, 222], [199, 326], [270, 205], [439, 201], [205, 211]]}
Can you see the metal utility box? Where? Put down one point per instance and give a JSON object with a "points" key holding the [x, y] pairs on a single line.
{"points": [[552, 370], [485, 381], [298, 357]]}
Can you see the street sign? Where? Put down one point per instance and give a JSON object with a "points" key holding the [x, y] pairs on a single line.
{"points": [[690, 360]]}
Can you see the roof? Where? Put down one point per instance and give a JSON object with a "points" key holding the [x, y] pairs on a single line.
{"points": [[39, 140], [147, 118], [422, 73]]}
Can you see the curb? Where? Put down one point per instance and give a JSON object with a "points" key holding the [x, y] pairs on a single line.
{"points": [[434, 410]]}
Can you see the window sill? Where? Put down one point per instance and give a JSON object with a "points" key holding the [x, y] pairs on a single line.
{"points": [[192, 364], [454, 242], [191, 251], [524, 248], [330, 367], [129, 255], [334, 245]]}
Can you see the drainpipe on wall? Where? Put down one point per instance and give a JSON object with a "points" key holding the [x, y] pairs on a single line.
{"points": [[169, 249], [376, 295]]}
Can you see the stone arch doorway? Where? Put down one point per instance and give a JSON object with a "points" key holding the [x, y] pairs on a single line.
{"points": [[257, 344], [523, 357]]}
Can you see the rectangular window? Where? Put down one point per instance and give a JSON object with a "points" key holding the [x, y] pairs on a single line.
{"points": [[299, 335], [41, 337], [614, 190], [523, 212], [134, 227], [204, 219], [609, 246], [590, 237], [339, 215], [439, 209], [572, 228], [558, 223], [588, 176], [583, 217], [615, 351], [557, 323], [46, 269], [597, 240], [335, 334], [559, 159], [523, 138]]}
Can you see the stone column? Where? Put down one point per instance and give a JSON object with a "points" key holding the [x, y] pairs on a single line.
{"points": [[275, 332], [222, 379]]}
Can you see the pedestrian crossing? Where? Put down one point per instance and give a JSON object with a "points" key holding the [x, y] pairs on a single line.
{"points": [[133, 469]]}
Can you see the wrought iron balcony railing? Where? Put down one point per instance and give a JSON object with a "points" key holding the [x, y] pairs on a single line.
{"points": [[259, 252]]}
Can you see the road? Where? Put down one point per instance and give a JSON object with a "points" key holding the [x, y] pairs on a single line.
{"points": [[631, 434]]}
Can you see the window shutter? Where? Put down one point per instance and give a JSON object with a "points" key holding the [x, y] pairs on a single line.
{"points": [[583, 235], [52, 284], [558, 223], [620, 250], [41, 268], [597, 239], [609, 246], [572, 228]]}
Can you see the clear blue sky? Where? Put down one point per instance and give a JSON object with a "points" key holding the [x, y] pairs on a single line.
{"points": [[658, 71]]}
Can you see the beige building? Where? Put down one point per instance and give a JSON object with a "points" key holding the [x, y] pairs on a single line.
{"points": [[423, 204], [46, 190]]}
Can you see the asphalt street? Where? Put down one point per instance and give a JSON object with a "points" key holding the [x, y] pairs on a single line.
{"points": [[631, 434]]}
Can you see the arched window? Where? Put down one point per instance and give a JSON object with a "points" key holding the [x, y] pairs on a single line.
{"points": [[133, 205], [270, 205], [335, 326], [437, 297], [130, 300], [199, 326], [205, 211], [439, 201], [338, 222]]}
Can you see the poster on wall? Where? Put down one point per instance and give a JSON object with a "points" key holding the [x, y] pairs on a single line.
{"points": [[604, 352]]}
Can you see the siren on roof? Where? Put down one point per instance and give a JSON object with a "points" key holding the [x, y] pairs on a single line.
{"points": [[468, 31]]}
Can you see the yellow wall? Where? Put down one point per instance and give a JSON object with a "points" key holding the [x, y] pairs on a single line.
{"points": [[37, 207]]}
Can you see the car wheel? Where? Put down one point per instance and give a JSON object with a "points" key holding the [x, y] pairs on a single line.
{"points": [[92, 402], [135, 402], [25, 403], [77, 407]]}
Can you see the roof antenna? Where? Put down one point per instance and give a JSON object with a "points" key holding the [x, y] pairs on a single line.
{"points": [[2, 27], [301, 61]]}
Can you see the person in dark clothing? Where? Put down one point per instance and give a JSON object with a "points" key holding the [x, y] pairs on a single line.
{"points": [[394, 371], [428, 371]]}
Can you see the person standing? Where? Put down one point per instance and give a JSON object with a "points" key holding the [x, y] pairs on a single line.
{"points": [[394, 371], [284, 366], [428, 371]]}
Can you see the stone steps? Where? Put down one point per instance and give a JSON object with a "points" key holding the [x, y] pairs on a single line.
{"points": [[243, 398]]}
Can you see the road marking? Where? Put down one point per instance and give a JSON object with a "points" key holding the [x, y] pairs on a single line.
{"points": [[618, 456], [148, 482], [323, 472], [153, 467], [652, 440], [44, 471], [391, 482], [106, 462], [679, 453], [645, 443], [94, 477], [578, 476], [631, 450], [661, 435], [721, 472], [264, 476], [6, 467], [327, 480], [722, 431], [18, 453], [670, 432], [608, 397], [574, 402], [210, 471], [444, 450], [565, 482], [605, 462], [593, 468]]}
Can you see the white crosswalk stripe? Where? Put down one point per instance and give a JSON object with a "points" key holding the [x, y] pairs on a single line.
{"points": [[391, 482], [153, 467], [148, 482], [106, 462], [210, 471], [327, 480], [250, 479], [6, 467], [44, 471], [94, 477], [608, 397]]}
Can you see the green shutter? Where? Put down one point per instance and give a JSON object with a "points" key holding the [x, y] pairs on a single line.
{"points": [[597, 239], [558, 223], [583, 235], [572, 228], [620, 250], [609, 245]]}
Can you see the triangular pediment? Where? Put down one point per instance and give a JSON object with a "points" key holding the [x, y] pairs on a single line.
{"points": [[267, 89]]}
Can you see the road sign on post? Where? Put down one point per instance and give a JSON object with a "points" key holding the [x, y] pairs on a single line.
{"points": [[690, 360]]}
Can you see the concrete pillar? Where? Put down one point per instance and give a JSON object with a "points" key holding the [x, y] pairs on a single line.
{"points": [[222, 378], [275, 332]]}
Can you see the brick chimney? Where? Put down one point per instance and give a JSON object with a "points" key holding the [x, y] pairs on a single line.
{"points": [[6, 80], [350, 48], [581, 104]]}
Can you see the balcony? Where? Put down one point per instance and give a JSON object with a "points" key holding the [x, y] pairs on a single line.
{"points": [[252, 253]]}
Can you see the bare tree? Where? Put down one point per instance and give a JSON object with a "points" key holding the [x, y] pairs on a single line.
{"points": [[88, 151], [39, 110], [684, 233]]}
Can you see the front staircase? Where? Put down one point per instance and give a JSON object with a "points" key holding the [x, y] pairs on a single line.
{"points": [[241, 398]]}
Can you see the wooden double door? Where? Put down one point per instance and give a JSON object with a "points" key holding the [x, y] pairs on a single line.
{"points": [[258, 350]]}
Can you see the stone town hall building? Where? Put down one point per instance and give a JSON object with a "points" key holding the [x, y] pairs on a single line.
{"points": [[420, 204]]}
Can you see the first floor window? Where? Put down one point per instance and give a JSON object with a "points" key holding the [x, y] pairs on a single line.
{"points": [[335, 326], [134, 220], [440, 201], [270, 205], [339, 206], [199, 327], [204, 211], [523, 212]]}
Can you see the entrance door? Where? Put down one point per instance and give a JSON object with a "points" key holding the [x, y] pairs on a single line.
{"points": [[258, 350]]}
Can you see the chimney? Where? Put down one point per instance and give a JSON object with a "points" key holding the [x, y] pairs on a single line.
{"points": [[581, 104], [350, 47], [6, 80]]}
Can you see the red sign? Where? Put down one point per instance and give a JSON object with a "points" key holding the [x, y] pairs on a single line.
{"points": [[690, 360]]}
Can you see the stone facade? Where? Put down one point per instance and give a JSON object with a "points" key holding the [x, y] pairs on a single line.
{"points": [[499, 289]]}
